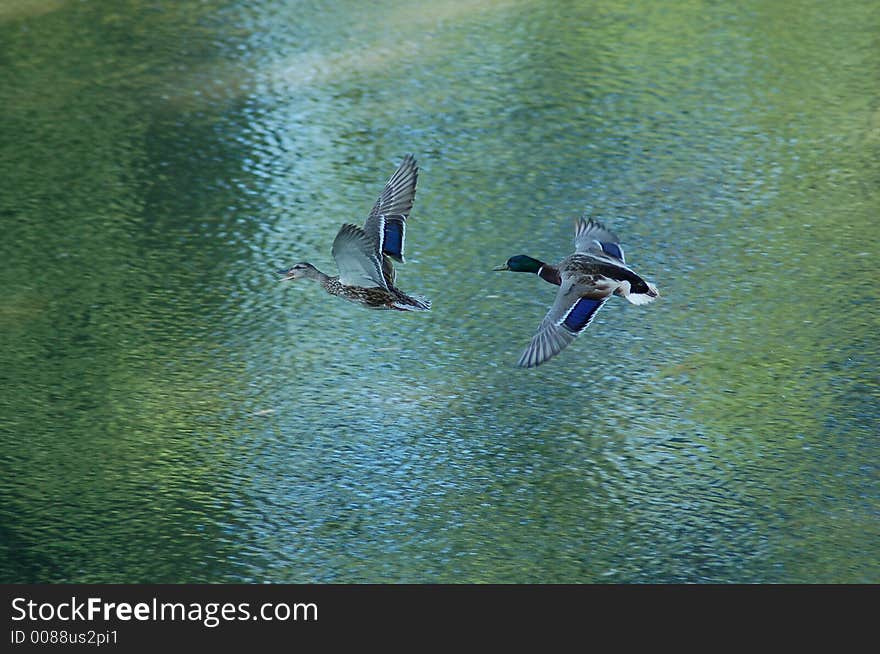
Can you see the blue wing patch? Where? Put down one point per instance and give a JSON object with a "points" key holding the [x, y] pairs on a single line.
{"points": [[395, 229], [613, 250], [581, 314]]}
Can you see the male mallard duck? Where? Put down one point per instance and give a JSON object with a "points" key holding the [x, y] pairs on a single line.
{"points": [[586, 279], [366, 275]]}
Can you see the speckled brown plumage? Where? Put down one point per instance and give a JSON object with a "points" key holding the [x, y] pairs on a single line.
{"points": [[363, 254]]}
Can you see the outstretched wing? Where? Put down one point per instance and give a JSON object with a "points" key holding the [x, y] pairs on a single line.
{"points": [[386, 224], [570, 314], [357, 259], [592, 236]]}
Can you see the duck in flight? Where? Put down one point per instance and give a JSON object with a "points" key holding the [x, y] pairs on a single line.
{"points": [[363, 254], [587, 278]]}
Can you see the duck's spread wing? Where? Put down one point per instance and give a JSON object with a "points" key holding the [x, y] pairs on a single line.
{"points": [[386, 224], [593, 237], [570, 314], [356, 258]]}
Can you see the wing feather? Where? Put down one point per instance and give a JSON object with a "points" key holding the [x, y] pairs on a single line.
{"points": [[386, 224], [593, 237], [571, 313], [357, 259]]}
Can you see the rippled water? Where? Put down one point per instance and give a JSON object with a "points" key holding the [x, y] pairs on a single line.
{"points": [[170, 413]]}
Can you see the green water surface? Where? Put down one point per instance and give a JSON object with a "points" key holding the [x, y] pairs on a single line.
{"points": [[170, 413]]}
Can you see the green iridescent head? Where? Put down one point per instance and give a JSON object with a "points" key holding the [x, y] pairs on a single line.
{"points": [[521, 263]]}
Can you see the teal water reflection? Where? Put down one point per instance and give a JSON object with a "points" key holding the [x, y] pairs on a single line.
{"points": [[170, 413]]}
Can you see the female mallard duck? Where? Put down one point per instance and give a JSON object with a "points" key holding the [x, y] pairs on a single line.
{"points": [[366, 275], [586, 279]]}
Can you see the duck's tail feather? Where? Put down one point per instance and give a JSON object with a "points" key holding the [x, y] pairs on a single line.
{"points": [[412, 303], [638, 298]]}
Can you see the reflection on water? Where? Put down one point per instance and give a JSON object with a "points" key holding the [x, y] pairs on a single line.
{"points": [[170, 413]]}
